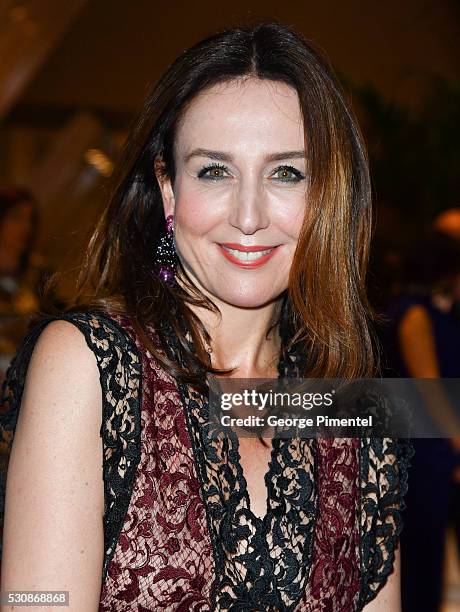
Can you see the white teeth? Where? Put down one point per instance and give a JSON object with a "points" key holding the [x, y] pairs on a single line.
{"points": [[247, 256]]}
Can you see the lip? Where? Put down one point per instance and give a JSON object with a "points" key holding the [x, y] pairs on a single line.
{"points": [[248, 249]]}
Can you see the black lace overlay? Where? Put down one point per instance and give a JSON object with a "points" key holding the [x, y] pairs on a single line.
{"points": [[120, 376], [384, 469], [261, 563]]}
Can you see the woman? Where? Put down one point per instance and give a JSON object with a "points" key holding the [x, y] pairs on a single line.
{"points": [[422, 340], [22, 269], [248, 149]]}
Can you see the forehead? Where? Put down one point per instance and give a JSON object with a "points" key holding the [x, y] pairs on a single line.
{"points": [[243, 113]]}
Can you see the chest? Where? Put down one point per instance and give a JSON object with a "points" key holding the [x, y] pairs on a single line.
{"points": [[235, 519], [255, 458]]}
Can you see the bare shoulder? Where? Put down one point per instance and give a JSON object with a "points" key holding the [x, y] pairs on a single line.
{"points": [[62, 338], [53, 528], [62, 379]]}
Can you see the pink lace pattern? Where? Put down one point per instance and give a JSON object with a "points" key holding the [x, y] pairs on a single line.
{"points": [[335, 574], [163, 559]]}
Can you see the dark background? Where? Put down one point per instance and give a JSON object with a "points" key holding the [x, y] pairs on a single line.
{"points": [[74, 73]]}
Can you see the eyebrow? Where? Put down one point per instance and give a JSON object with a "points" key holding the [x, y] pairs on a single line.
{"points": [[227, 157]]}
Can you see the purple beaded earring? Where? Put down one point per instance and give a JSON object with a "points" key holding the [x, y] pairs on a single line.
{"points": [[165, 254]]}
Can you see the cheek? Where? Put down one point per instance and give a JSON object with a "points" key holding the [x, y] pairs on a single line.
{"points": [[202, 208], [288, 214], [198, 211]]}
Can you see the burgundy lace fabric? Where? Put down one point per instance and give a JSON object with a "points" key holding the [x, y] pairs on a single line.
{"points": [[163, 559], [178, 531]]}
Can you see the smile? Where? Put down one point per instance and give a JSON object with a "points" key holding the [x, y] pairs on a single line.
{"points": [[247, 257]]}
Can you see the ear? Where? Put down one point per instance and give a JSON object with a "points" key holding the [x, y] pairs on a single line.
{"points": [[166, 189]]}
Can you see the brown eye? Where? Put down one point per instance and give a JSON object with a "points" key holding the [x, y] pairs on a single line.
{"points": [[288, 174], [215, 172], [285, 174]]}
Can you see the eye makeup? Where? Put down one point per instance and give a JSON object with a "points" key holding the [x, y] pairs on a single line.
{"points": [[298, 176], [215, 172]]}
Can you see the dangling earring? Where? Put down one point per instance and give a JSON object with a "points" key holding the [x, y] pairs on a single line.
{"points": [[165, 254]]}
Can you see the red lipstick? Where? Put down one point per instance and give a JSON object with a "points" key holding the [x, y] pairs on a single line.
{"points": [[247, 263]]}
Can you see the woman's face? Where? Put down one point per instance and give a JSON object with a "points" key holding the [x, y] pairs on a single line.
{"points": [[239, 194]]}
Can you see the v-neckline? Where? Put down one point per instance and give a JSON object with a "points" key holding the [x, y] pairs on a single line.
{"points": [[273, 444], [265, 561], [266, 477], [243, 543]]}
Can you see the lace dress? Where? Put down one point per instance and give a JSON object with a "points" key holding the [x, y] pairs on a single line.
{"points": [[179, 534]]}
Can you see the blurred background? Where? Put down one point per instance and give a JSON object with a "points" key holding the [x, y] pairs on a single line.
{"points": [[74, 74]]}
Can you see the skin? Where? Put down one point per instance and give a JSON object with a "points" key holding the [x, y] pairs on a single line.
{"points": [[53, 532]]}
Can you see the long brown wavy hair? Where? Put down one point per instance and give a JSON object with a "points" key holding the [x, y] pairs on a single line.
{"points": [[325, 304]]}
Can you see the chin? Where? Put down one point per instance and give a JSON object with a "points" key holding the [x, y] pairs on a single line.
{"points": [[247, 298], [237, 289]]}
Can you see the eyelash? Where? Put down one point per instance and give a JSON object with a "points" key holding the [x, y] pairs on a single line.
{"points": [[298, 175]]}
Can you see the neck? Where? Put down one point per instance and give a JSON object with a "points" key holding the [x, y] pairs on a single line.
{"points": [[238, 338]]}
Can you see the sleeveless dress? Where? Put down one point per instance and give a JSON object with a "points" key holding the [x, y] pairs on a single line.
{"points": [[179, 534]]}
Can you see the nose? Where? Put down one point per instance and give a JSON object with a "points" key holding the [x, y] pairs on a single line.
{"points": [[249, 209]]}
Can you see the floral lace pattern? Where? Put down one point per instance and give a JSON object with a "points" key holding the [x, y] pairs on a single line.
{"points": [[163, 559], [261, 564], [384, 472], [335, 576], [179, 534]]}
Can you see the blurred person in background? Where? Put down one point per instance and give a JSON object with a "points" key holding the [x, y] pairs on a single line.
{"points": [[22, 269], [422, 340], [448, 223]]}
